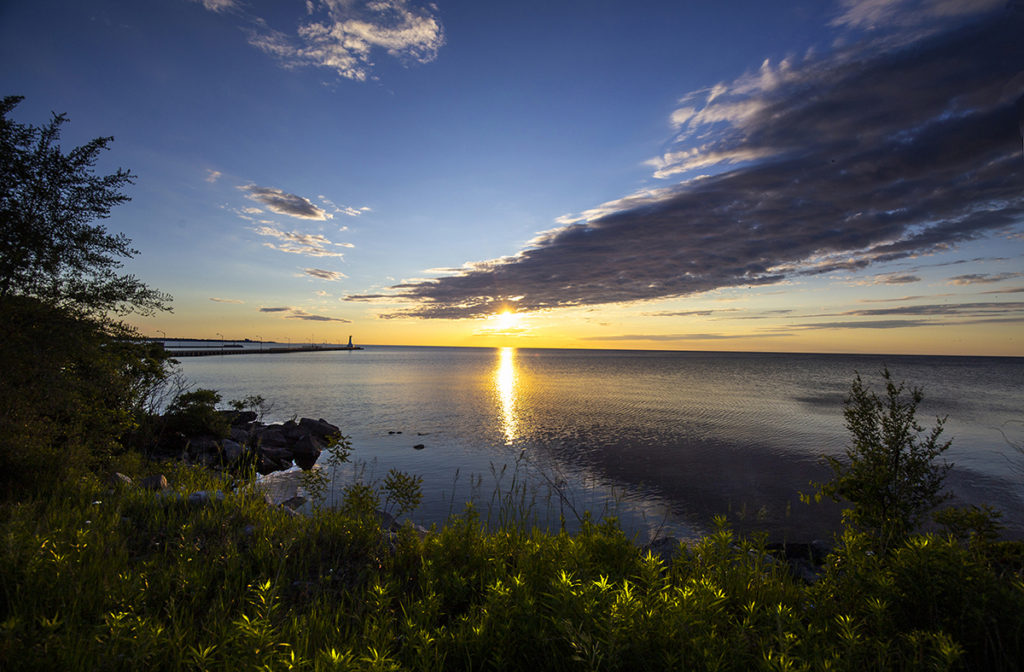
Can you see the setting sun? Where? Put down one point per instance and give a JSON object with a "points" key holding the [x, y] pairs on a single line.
{"points": [[507, 321]]}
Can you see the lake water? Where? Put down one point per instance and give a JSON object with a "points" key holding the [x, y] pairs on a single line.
{"points": [[664, 440]]}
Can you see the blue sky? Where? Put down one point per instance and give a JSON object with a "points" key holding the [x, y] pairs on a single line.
{"points": [[798, 176]]}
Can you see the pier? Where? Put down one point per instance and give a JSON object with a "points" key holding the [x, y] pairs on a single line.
{"points": [[239, 350]]}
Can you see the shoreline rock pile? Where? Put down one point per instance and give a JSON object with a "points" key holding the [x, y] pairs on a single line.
{"points": [[251, 443]]}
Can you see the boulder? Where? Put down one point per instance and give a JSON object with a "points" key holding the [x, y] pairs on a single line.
{"points": [[157, 482], [306, 451], [232, 451], [199, 446], [291, 430], [240, 435], [321, 429], [119, 480], [273, 436]]}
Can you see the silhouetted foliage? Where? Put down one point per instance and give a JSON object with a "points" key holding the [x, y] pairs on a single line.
{"points": [[50, 246], [890, 477], [75, 378]]}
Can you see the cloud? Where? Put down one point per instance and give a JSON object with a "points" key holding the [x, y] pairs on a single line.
{"points": [[219, 6], [982, 278], [873, 14], [300, 314], [1012, 290], [343, 209], [220, 300], [678, 337], [323, 274], [346, 35], [283, 203], [308, 244], [865, 156], [898, 279], [212, 175]]}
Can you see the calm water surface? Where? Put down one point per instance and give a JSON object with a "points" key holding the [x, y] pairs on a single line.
{"points": [[663, 440]]}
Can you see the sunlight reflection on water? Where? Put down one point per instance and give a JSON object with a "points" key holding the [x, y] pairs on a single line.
{"points": [[506, 380]]}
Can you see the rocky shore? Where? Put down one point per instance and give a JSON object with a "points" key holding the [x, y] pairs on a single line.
{"points": [[252, 444], [278, 447]]}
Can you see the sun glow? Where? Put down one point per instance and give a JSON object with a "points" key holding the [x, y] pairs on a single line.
{"points": [[507, 321], [505, 384]]}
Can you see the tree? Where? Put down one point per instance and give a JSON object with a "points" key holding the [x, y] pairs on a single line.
{"points": [[51, 248], [890, 475], [75, 378]]}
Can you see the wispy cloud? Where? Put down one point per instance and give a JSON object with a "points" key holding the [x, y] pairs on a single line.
{"points": [[983, 278], [220, 300], [324, 274], [874, 14], [219, 6], [345, 36], [283, 203], [212, 175], [295, 242], [343, 209], [835, 163], [293, 313], [897, 278]]}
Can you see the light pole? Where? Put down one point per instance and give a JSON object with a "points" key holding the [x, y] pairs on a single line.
{"points": [[164, 333], [260, 341]]}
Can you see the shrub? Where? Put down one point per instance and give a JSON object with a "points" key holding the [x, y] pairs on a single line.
{"points": [[890, 476]]}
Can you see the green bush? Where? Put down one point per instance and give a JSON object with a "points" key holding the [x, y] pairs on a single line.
{"points": [[890, 476]]}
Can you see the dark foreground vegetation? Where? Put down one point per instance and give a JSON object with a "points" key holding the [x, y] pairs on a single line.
{"points": [[102, 572]]}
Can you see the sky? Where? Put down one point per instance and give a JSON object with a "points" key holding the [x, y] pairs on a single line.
{"points": [[801, 176]]}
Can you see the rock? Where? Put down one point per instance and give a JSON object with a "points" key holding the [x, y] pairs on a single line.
{"points": [[231, 450], [202, 497], [305, 452], [203, 445], [294, 503], [291, 430], [157, 482], [321, 429], [119, 480], [418, 446], [273, 436], [242, 417], [240, 435], [291, 512]]}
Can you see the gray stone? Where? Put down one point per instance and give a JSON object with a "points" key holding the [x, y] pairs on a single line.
{"points": [[119, 480], [294, 503], [202, 497], [232, 450], [157, 482]]}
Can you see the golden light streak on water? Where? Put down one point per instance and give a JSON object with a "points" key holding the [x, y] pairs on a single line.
{"points": [[506, 383]]}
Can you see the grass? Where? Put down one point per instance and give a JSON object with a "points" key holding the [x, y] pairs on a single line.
{"points": [[108, 579]]}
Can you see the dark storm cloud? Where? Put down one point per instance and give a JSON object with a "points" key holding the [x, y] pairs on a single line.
{"points": [[283, 203], [833, 164]]}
